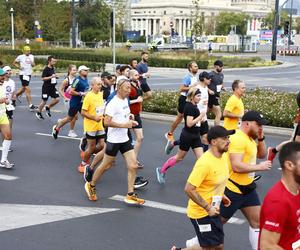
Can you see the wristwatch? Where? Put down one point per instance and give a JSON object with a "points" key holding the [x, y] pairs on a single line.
{"points": [[261, 139]]}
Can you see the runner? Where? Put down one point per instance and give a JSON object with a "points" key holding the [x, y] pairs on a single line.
{"points": [[280, 214], [189, 81], [92, 111], [240, 189], [190, 135], [4, 124], [64, 90], [78, 90], [205, 189], [143, 70], [133, 63], [107, 86], [48, 90], [124, 73], [117, 119], [215, 86], [234, 108], [295, 135], [25, 63]]}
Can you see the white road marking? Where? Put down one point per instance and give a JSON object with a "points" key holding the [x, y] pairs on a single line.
{"points": [[22, 215], [172, 208], [8, 177], [60, 136]]}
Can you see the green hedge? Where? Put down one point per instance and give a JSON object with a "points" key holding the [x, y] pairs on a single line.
{"points": [[279, 108]]}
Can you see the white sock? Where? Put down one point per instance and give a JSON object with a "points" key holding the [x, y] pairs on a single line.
{"points": [[6, 146], [253, 237]]}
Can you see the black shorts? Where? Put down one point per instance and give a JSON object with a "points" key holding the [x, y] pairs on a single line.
{"points": [[189, 140], [10, 114], [24, 82], [73, 111], [204, 128], [112, 149], [181, 104], [209, 231], [238, 201], [49, 91], [145, 87], [95, 135], [213, 100], [139, 120]]}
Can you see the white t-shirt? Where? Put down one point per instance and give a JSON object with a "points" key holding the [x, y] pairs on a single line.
{"points": [[119, 110], [9, 87], [25, 64], [203, 104], [2, 105]]}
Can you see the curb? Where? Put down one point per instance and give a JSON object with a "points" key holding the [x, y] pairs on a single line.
{"points": [[170, 118]]}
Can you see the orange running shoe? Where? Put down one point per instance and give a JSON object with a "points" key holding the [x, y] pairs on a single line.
{"points": [[169, 136], [90, 191], [133, 199]]}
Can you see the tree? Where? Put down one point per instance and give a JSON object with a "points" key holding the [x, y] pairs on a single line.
{"points": [[5, 25], [297, 25], [225, 19], [210, 25], [198, 19], [268, 21]]}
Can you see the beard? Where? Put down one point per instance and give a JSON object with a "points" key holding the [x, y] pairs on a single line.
{"points": [[219, 70]]}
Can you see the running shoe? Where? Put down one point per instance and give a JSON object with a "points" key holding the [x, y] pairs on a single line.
{"points": [[32, 107], [140, 165], [39, 116], [257, 177], [54, 132], [169, 147], [10, 149], [140, 182], [161, 177], [82, 144], [6, 164], [133, 199], [271, 155], [192, 242], [88, 173], [169, 136], [48, 113], [90, 191], [72, 134]]}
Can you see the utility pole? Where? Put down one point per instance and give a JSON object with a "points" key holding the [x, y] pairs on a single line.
{"points": [[291, 22], [274, 41], [114, 35], [73, 25]]}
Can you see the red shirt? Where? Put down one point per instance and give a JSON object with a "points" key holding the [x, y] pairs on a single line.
{"points": [[135, 92], [280, 213]]}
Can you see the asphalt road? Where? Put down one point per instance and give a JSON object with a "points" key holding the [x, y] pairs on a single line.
{"points": [[44, 206]]}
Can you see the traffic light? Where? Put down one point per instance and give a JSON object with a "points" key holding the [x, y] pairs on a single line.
{"points": [[286, 27]]}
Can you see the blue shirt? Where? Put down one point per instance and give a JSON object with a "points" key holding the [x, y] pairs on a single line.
{"points": [[142, 68], [80, 85], [187, 81]]}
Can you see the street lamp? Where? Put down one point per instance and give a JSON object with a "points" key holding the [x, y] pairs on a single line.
{"points": [[12, 28]]}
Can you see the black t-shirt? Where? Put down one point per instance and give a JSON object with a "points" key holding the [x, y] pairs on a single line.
{"points": [[46, 73], [191, 110], [216, 79], [106, 92]]}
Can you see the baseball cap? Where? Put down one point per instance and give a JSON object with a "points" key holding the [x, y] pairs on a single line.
{"points": [[105, 74], [218, 132], [253, 115], [26, 49], [6, 68], [218, 63], [118, 66], [83, 67], [2, 72], [204, 74]]}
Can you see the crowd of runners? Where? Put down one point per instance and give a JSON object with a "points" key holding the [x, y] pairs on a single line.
{"points": [[223, 179]]}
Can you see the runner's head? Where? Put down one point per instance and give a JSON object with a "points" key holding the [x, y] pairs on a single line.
{"points": [[124, 70], [239, 87], [194, 95], [252, 122], [218, 138], [192, 67], [145, 56], [289, 158], [205, 78], [218, 65], [26, 50], [106, 76], [51, 61], [83, 70], [96, 84], [133, 63], [2, 75], [134, 75], [123, 88], [72, 70], [7, 71]]}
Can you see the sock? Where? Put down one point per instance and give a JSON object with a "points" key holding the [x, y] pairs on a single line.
{"points": [[274, 150], [5, 149], [253, 237], [205, 147], [177, 142], [168, 164]]}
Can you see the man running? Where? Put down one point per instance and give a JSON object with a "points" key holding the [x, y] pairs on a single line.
{"points": [[189, 81], [280, 214], [247, 144], [10, 92], [25, 63], [4, 124], [79, 89], [205, 189], [215, 86], [49, 78], [234, 108], [143, 70], [118, 120]]}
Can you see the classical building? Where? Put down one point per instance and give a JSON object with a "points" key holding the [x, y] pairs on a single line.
{"points": [[152, 17]]}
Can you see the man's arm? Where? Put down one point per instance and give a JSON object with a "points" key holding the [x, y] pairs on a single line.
{"points": [[229, 114], [269, 240], [108, 122], [261, 145]]}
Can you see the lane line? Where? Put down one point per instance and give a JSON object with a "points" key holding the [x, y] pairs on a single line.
{"points": [[8, 177], [60, 136], [172, 208]]}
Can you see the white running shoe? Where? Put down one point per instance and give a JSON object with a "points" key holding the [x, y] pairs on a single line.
{"points": [[72, 134], [6, 164], [192, 242]]}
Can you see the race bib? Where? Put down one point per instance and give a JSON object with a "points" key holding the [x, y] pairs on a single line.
{"points": [[296, 245], [99, 110], [10, 107], [251, 175], [205, 228], [53, 80], [219, 87], [216, 201], [26, 78]]}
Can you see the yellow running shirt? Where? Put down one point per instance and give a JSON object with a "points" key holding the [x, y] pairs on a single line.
{"points": [[240, 143], [94, 105], [209, 176], [234, 105]]}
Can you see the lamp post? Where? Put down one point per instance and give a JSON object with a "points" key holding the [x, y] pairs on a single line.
{"points": [[274, 40], [12, 28]]}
